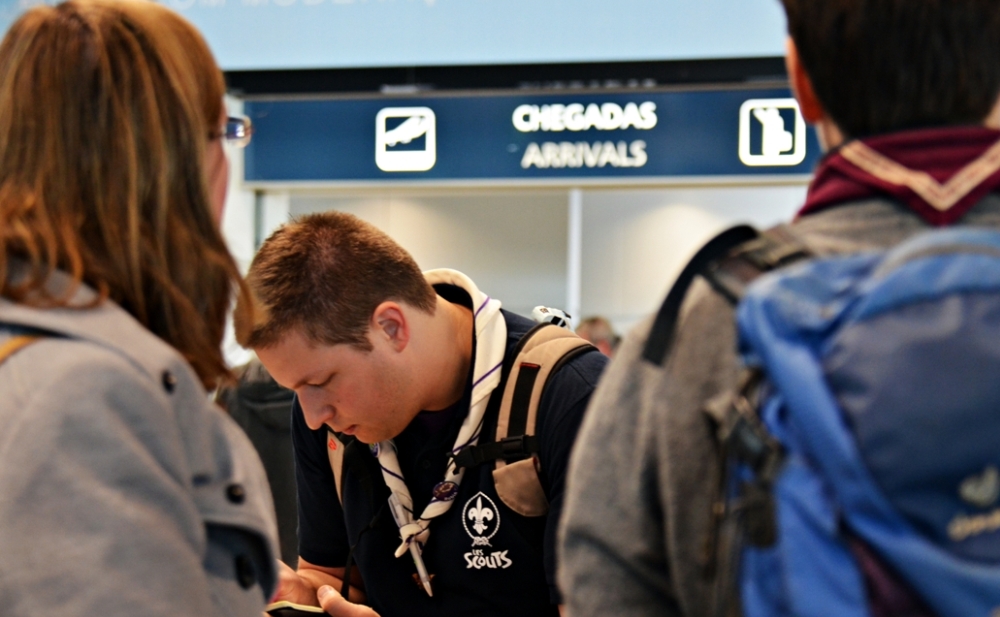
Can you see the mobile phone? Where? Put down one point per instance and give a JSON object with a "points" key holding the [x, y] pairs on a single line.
{"points": [[290, 609]]}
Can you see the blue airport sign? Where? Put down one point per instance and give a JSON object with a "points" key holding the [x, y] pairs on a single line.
{"points": [[523, 137]]}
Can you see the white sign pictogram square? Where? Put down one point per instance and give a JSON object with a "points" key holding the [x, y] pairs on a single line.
{"points": [[418, 122], [778, 146]]}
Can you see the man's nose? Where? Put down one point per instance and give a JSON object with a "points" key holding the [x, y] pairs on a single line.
{"points": [[315, 408]]}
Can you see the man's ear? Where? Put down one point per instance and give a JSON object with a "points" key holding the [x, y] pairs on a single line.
{"points": [[389, 321], [812, 109]]}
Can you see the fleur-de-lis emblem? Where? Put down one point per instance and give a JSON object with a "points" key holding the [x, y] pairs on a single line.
{"points": [[480, 515], [484, 517]]}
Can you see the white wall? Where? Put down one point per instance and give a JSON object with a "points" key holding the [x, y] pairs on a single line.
{"points": [[635, 242]]}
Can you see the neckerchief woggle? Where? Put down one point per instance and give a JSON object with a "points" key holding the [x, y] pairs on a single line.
{"points": [[490, 347]]}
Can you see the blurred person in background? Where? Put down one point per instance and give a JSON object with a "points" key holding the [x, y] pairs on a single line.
{"points": [[123, 490], [598, 331]]}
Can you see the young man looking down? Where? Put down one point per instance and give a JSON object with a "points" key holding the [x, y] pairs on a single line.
{"points": [[404, 363]]}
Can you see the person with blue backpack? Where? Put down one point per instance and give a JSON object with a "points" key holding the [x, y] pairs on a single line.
{"points": [[809, 424]]}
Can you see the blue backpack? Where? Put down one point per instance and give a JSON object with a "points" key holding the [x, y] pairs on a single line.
{"points": [[861, 451]]}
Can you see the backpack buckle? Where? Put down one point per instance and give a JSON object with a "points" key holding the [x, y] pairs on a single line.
{"points": [[508, 449], [517, 447], [469, 456], [746, 436], [747, 440]]}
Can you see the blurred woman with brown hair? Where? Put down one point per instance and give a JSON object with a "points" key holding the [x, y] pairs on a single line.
{"points": [[123, 491]]}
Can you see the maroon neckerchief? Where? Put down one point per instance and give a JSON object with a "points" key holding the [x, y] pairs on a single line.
{"points": [[938, 173]]}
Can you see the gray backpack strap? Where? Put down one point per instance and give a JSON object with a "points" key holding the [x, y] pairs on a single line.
{"points": [[516, 474], [729, 262], [335, 451]]}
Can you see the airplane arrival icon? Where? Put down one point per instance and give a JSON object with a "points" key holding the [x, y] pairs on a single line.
{"points": [[418, 122]]}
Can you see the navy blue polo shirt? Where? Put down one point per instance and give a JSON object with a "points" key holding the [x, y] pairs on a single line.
{"points": [[485, 559]]}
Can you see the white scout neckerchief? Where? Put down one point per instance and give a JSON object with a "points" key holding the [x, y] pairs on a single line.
{"points": [[491, 344]]}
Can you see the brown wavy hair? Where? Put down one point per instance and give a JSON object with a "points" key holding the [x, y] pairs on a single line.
{"points": [[106, 111]]}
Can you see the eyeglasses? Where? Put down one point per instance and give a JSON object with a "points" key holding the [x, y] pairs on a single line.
{"points": [[237, 131]]}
